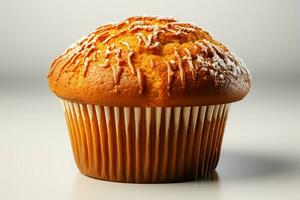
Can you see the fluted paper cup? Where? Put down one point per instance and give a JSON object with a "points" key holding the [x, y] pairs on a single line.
{"points": [[146, 144]]}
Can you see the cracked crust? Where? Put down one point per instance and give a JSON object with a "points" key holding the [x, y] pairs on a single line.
{"points": [[149, 61]]}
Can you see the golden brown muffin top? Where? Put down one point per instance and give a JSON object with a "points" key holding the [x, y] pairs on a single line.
{"points": [[149, 61]]}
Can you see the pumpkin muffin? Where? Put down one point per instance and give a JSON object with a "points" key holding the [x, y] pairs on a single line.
{"points": [[146, 99]]}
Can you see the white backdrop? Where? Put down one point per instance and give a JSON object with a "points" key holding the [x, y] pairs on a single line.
{"points": [[260, 154], [266, 34]]}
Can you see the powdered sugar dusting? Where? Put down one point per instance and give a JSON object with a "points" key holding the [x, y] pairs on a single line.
{"points": [[222, 65], [203, 58]]}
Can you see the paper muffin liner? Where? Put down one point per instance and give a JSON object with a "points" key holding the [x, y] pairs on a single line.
{"points": [[146, 144]]}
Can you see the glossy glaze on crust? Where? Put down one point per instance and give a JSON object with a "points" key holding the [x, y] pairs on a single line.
{"points": [[149, 61]]}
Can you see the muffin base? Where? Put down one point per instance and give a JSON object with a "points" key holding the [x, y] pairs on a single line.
{"points": [[146, 144]]}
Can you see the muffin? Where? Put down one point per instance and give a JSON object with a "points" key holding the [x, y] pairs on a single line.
{"points": [[146, 100]]}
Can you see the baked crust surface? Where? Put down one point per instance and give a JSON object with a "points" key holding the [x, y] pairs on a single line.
{"points": [[149, 61]]}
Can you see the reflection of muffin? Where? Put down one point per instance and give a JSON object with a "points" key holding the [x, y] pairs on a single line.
{"points": [[146, 100]]}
